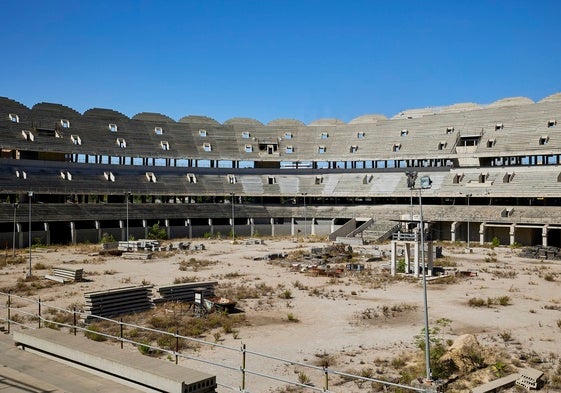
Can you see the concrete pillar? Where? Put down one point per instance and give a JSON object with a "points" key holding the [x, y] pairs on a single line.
{"points": [[482, 233], [512, 234], [19, 235], [145, 226], [98, 228], [272, 221], [429, 257], [123, 227], [313, 229], [407, 255], [168, 229], [453, 228], [211, 226], [393, 257], [332, 229], [73, 232], [545, 230], [417, 259], [251, 224], [47, 233], [189, 227], [292, 226]]}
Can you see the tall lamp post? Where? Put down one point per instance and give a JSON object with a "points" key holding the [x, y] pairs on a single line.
{"points": [[16, 205], [30, 195], [468, 219], [424, 184], [127, 194], [233, 219], [305, 215]]}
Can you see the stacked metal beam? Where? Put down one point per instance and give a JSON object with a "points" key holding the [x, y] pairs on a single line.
{"points": [[68, 274], [185, 292], [118, 301]]}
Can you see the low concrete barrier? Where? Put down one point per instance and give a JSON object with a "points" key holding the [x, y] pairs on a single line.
{"points": [[136, 368]]}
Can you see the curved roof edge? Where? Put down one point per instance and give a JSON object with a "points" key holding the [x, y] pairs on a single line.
{"points": [[552, 98], [285, 122], [510, 101], [52, 107], [5, 101], [105, 113], [242, 121], [368, 119], [326, 122], [150, 116], [194, 119]]}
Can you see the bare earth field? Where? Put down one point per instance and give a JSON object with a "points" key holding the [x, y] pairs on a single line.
{"points": [[361, 322]]}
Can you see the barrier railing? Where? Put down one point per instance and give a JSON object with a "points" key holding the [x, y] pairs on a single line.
{"points": [[17, 315]]}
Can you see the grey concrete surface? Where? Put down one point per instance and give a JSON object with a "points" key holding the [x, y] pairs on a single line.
{"points": [[25, 372]]}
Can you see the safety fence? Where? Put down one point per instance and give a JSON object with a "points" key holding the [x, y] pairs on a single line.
{"points": [[233, 376]]}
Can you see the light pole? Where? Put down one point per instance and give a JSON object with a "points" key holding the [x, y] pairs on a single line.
{"points": [[30, 195], [468, 219], [425, 183], [233, 219], [305, 216], [16, 205], [127, 194]]}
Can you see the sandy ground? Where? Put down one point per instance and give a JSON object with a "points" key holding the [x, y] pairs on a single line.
{"points": [[341, 317]]}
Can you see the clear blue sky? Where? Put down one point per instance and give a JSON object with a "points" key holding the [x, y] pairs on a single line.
{"points": [[278, 59]]}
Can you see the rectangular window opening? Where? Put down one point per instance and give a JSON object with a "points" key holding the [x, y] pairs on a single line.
{"points": [[458, 177], [65, 123], [109, 176], [544, 140], [404, 132], [321, 149], [191, 178], [324, 135], [21, 174], [442, 145], [551, 123], [158, 131], [248, 148], [289, 149], [507, 178], [151, 177], [121, 142], [202, 133], [319, 179], [353, 148], [207, 147], [246, 135], [13, 117], [113, 127], [232, 179], [76, 139], [360, 135], [288, 135], [165, 145], [28, 135], [396, 147], [491, 142], [450, 130], [499, 126], [271, 180], [65, 175]]}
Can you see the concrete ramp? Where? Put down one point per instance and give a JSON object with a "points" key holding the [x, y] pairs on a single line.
{"points": [[147, 372]]}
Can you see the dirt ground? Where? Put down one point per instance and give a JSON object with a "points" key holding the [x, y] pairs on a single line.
{"points": [[361, 322]]}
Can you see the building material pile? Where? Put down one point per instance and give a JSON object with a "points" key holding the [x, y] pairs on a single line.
{"points": [[541, 252], [65, 274], [118, 301], [185, 292]]}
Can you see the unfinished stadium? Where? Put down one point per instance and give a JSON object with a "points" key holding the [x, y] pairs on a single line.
{"points": [[69, 177]]}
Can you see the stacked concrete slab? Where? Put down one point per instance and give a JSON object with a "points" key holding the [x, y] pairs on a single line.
{"points": [[118, 301]]}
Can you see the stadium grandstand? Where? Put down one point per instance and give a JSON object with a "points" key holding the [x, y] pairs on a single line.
{"points": [[69, 177]]}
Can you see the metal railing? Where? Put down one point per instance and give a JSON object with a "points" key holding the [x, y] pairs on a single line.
{"points": [[17, 315]]}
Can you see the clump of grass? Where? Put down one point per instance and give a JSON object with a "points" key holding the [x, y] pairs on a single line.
{"points": [[292, 318], [195, 264], [476, 302], [185, 279], [286, 294], [506, 335]]}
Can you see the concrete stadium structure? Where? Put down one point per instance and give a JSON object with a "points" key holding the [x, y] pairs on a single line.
{"points": [[495, 172]]}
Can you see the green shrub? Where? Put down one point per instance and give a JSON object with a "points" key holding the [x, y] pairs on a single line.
{"points": [[92, 333], [476, 302], [157, 233]]}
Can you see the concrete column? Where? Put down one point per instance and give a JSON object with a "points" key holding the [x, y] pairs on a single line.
{"points": [[407, 255], [512, 234], [211, 226], [19, 235], [393, 257], [47, 233], [272, 221], [292, 226], [453, 228], [482, 233], [417, 259], [98, 228], [145, 226], [429, 258], [545, 230], [251, 224], [123, 227], [189, 227], [332, 226], [168, 229], [73, 232], [313, 229]]}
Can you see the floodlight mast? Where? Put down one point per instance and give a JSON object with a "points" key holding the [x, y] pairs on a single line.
{"points": [[425, 182]]}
